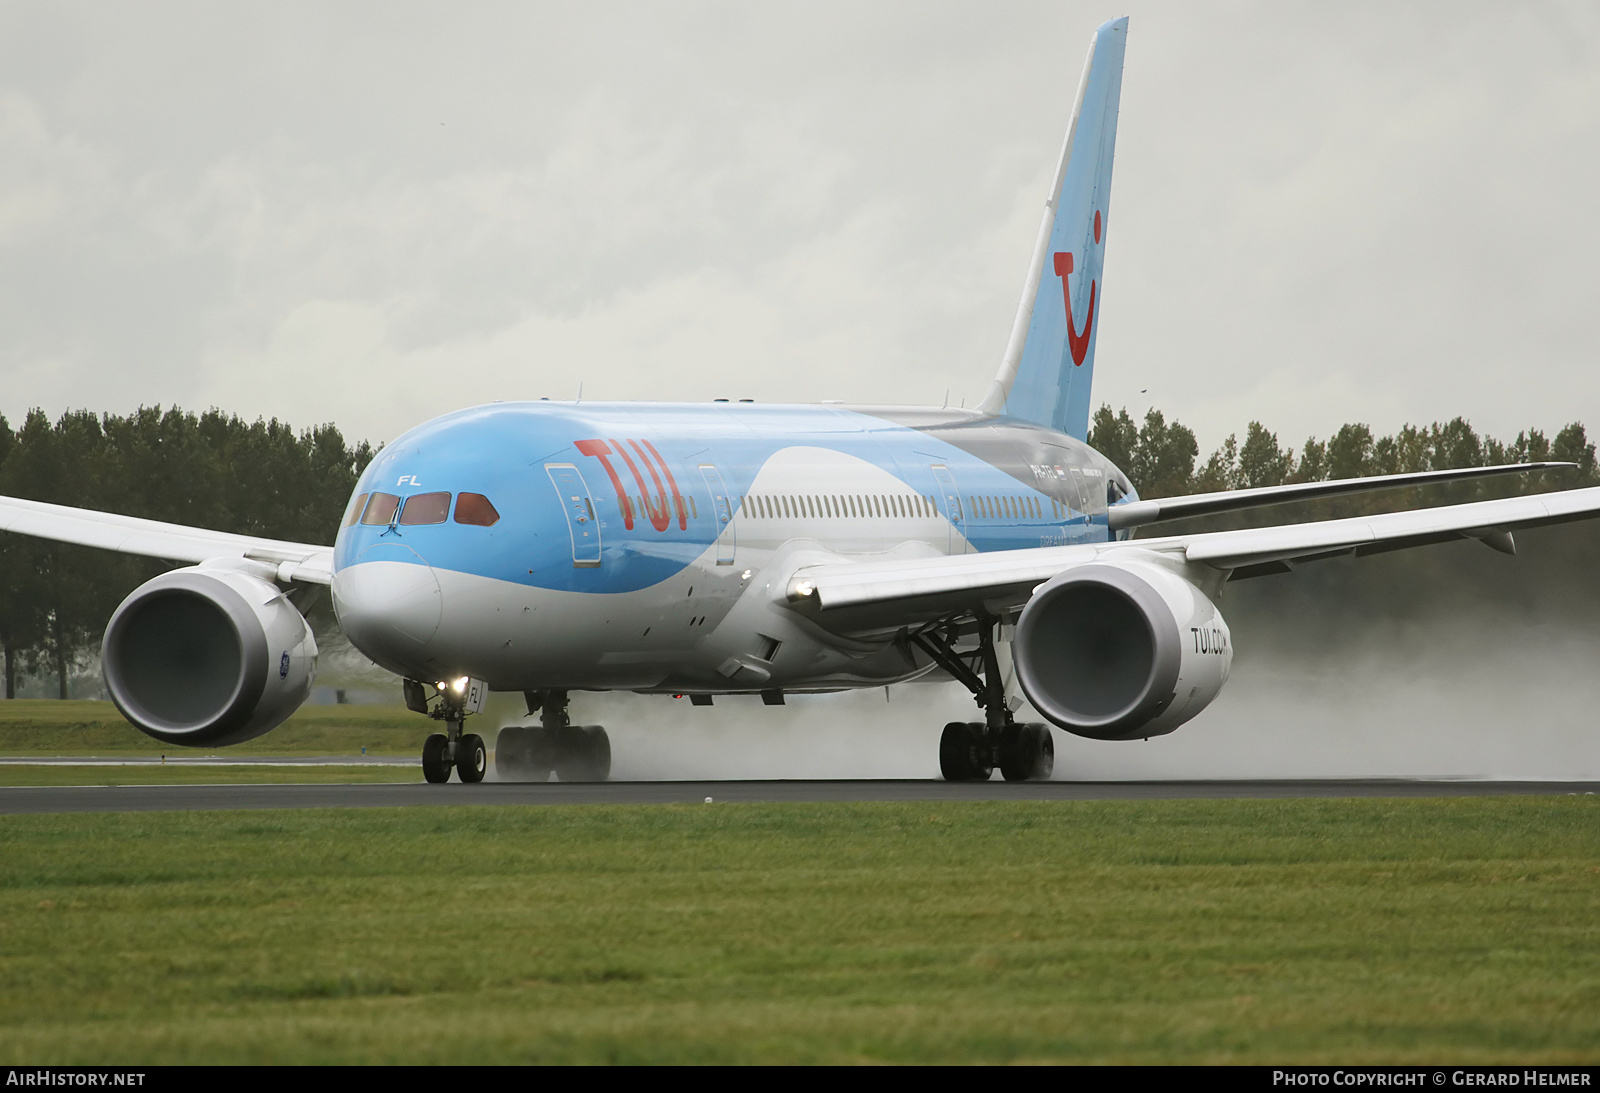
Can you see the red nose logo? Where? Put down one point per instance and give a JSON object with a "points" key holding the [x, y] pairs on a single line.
{"points": [[1077, 343]]}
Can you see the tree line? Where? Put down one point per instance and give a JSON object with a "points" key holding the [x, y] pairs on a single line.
{"points": [[1551, 585], [211, 470], [1160, 457], [215, 470]]}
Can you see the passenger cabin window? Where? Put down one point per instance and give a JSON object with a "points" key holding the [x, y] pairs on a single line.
{"points": [[380, 509], [474, 508], [356, 507], [425, 508]]}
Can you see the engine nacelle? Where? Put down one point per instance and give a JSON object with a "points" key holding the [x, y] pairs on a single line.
{"points": [[1121, 651], [208, 656]]}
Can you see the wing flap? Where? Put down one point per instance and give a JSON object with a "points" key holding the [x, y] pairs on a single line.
{"points": [[864, 597], [851, 584], [154, 539]]}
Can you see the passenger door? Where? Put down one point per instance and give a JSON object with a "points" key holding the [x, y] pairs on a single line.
{"points": [[722, 512], [578, 506], [952, 504]]}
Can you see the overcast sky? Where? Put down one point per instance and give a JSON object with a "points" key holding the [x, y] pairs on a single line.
{"points": [[373, 213]]}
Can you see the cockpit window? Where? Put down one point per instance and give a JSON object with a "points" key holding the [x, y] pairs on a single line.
{"points": [[355, 510], [380, 509], [425, 508], [474, 508]]}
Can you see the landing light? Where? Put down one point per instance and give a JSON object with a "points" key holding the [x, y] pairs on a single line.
{"points": [[804, 588], [461, 685], [745, 576]]}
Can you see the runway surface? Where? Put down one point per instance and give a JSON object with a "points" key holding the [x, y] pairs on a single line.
{"points": [[17, 800], [204, 761]]}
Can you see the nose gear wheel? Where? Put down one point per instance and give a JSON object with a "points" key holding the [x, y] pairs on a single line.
{"points": [[472, 758], [436, 763]]}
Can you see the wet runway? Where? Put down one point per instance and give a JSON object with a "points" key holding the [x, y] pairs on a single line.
{"points": [[17, 800], [204, 761]]}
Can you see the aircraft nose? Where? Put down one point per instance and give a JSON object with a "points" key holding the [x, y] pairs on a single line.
{"points": [[389, 606]]}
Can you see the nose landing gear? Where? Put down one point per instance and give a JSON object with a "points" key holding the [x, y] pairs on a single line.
{"points": [[573, 753], [452, 749], [969, 751], [462, 752]]}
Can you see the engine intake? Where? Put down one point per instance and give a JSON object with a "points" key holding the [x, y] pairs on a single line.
{"points": [[1120, 651], [207, 657]]}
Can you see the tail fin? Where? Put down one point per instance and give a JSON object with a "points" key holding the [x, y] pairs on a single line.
{"points": [[1049, 360]]}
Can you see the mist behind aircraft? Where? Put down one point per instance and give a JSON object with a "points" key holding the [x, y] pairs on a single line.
{"points": [[1427, 699]]}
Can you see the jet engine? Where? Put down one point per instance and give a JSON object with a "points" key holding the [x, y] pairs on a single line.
{"points": [[1121, 651], [208, 656]]}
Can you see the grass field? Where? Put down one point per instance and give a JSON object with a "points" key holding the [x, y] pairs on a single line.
{"points": [[30, 728], [16, 774], [50, 727], [1427, 930]]}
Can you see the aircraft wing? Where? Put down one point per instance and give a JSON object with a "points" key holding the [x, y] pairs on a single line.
{"points": [[153, 539], [877, 596], [1136, 513]]}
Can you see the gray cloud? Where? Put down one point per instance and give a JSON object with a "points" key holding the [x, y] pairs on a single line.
{"points": [[375, 213]]}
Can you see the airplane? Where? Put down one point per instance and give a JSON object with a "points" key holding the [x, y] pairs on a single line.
{"points": [[736, 548]]}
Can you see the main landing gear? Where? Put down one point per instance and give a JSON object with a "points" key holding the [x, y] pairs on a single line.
{"points": [[969, 751], [531, 753]]}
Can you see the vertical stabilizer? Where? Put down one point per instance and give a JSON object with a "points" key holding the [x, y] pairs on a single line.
{"points": [[1049, 360]]}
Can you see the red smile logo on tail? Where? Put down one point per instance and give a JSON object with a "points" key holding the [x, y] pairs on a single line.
{"points": [[1077, 343]]}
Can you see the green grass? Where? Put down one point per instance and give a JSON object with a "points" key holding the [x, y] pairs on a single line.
{"points": [[14, 774], [73, 727], [1432, 930]]}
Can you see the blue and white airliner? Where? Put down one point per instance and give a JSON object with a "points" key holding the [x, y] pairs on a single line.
{"points": [[554, 548]]}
